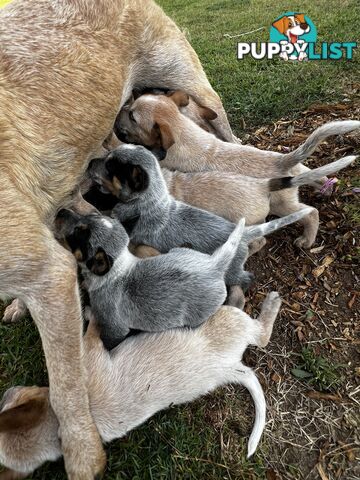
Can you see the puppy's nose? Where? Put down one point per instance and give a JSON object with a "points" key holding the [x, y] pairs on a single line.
{"points": [[120, 133], [304, 26]]}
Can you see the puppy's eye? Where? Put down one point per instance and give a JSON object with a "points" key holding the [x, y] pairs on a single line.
{"points": [[131, 116]]}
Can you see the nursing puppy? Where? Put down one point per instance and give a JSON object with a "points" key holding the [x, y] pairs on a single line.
{"points": [[144, 374], [233, 196], [153, 217], [155, 120], [199, 114], [179, 289]]}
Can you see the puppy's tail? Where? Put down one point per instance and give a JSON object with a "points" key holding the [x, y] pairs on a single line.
{"points": [[225, 254], [257, 231], [311, 176], [247, 378], [289, 160]]}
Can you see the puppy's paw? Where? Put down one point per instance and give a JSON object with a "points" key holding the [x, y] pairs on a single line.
{"points": [[273, 301], [15, 312], [303, 242]]}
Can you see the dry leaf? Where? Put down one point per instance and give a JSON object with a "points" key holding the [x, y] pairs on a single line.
{"points": [[271, 475], [352, 301], [318, 271], [300, 335], [321, 269], [328, 261], [321, 471], [317, 249], [275, 377], [315, 395]]}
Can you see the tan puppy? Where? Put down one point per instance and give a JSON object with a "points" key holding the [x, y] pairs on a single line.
{"points": [[235, 196], [144, 374], [66, 68], [156, 121]]}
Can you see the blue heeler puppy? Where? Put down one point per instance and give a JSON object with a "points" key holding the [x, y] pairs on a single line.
{"points": [[153, 217], [181, 288]]}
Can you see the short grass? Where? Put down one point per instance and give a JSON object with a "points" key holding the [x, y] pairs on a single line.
{"points": [[262, 91], [207, 440]]}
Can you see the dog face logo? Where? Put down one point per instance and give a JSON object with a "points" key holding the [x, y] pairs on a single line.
{"points": [[290, 29]]}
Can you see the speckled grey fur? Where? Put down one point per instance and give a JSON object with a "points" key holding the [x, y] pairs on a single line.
{"points": [[181, 288], [165, 223]]}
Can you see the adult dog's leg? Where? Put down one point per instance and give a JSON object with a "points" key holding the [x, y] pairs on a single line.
{"points": [[38, 271]]}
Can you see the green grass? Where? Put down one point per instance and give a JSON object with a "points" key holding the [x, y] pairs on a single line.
{"points": [[317, 371], [260, 91], [189, 442]]}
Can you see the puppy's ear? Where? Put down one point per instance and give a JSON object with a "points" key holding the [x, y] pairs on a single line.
{"points": [[140, 179], [164, 134], [101, 263], [282, 24], [207, 114], [78, 242], [27, 414], [180, 98]]}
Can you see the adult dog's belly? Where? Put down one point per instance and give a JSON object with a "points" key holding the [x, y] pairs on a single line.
{"points": [[61, 83]]}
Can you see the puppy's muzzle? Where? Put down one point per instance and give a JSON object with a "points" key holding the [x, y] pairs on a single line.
{"points": [[121, 134], [65, 222]]}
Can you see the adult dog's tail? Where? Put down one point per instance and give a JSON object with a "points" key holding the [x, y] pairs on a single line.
{"points": [[289, 160], [311, 176]]}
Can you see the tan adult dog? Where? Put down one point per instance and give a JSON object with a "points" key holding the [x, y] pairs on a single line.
{"points": [[66, 68]]}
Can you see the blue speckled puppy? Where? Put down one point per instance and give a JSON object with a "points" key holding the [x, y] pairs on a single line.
{"points": [[153, 217], [181, 288]]}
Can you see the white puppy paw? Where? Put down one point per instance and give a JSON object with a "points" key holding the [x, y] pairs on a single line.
{"points": [[303, 242]]}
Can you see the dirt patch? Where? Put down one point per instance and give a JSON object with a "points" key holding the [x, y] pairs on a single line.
{"points": [[312, 434]]}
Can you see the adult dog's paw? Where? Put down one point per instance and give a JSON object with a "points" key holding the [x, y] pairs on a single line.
{"points": [[15, 312]]}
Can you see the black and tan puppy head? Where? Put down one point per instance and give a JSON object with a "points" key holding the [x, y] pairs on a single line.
{"points": [[94, 240], [125, 173]]}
